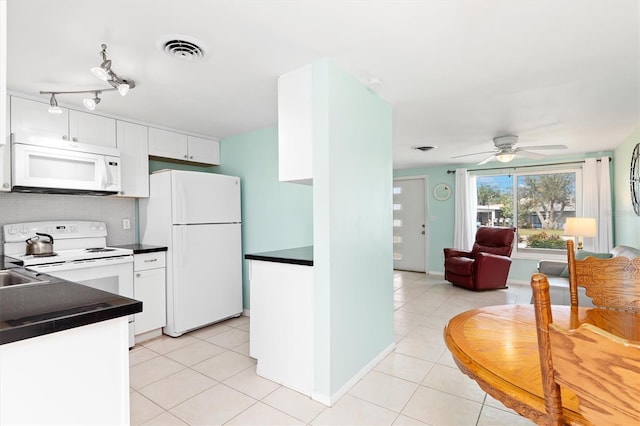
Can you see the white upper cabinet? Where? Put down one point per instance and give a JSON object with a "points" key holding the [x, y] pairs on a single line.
{"points": [[134, 159], [163, 143], [176, 146], [32, 118], [203, 150], [92, 129], [295, 136]]}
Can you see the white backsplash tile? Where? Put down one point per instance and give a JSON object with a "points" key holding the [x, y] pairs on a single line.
{"points": [[19, 207]]}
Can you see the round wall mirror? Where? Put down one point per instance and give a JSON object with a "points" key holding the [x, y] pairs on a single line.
{"points": [[634, 179]]}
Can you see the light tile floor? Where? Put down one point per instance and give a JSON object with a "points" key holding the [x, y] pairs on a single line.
{"points": [[206, 377]]}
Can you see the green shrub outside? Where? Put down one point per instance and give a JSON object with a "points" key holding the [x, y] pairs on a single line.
{"points": [[544, 240]]}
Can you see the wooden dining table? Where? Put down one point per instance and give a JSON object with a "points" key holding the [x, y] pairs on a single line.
{"points": [[497, 346]]}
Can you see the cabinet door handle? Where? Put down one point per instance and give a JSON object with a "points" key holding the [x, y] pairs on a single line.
{"points": [[138, 275], [150, 260], [191, 157], [64, 137], [75, 139]]}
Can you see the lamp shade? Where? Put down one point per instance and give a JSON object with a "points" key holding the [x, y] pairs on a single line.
{"points": [[580, 227]]}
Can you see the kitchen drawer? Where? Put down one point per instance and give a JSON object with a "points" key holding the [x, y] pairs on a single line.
{"points": [[146, 261]]}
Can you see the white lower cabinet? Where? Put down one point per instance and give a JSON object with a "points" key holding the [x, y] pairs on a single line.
{"points": [[78, 376], [149, 288], [281, 323]]}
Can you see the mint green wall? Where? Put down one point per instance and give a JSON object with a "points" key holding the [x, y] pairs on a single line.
{"points": [[353, 267], [441, 214], [626, 222], [275, 215]]}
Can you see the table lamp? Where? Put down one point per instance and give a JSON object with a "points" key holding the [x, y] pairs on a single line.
{"points": [[580, 227]]}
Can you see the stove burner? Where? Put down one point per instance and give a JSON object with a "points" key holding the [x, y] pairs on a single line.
{"points": [[52, 254], [99, 250]]}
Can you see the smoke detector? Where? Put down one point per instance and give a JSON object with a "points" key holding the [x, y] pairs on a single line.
{"points": [[182, 47]]}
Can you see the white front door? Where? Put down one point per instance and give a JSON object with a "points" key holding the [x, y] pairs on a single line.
{"points": [[409, 224]]}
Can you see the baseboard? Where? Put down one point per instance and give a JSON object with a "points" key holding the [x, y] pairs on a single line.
{"points": [[521, 282], [143, 337], [332, 399], [246, 312]]}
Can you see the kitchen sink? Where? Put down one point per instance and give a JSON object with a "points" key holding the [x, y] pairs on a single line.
{"points": [[9, 277]]}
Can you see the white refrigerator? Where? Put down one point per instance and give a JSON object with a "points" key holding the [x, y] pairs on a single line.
{"points": [[197, 217]]}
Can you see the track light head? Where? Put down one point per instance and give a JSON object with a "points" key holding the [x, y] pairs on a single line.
{"points": [[123, 88], [90, 103], [102, 72], [54, 108]]}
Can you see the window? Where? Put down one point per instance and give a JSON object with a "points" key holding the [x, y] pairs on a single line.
{"points": [[537, 202]]}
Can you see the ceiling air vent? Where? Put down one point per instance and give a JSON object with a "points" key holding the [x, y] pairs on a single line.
{"points": [[182, 47]]}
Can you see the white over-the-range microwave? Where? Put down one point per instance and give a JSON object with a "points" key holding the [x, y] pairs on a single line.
{"points": [[45, 165]]}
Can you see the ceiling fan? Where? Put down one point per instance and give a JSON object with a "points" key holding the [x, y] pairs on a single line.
{"points": [[506, 150]]}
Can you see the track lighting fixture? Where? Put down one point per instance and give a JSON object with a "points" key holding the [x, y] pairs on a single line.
{"points": [[103, 72]]}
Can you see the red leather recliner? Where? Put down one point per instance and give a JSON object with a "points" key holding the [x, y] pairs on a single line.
{"points": [[486, 266]]}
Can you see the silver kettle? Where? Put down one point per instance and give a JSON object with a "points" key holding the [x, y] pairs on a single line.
{"points": [[38, 246]]}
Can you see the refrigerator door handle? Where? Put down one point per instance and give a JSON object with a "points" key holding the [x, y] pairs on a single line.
{"points": [[181, 243], [181, 203]]}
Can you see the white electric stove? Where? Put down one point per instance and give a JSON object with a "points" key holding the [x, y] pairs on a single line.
{"points": [[80, 254]]}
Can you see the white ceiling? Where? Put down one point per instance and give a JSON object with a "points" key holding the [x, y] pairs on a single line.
{"points": [[456, 72]]}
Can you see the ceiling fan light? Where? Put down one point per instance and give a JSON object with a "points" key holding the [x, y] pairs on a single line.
{"points": [[505, 157]]}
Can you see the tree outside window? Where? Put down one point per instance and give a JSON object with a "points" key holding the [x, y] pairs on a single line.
{"points": [[537, 203]]}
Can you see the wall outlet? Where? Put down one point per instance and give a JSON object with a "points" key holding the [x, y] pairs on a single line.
{"points": [[126, 223]]}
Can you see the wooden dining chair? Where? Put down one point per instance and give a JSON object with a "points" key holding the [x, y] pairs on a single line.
{"points": [[612, 283], [603, 370]]}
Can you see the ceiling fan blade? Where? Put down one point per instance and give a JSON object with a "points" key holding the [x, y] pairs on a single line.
{"points": [[529, 154], [545, 147], [486, 160], [475, 153]]}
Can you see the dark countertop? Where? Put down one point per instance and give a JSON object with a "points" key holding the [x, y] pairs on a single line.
{"points": [[294, 256], [7, 262], [141, 248], [33, 310]]}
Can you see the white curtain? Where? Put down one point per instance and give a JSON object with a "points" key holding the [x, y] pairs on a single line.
{"points": [[596, 193], [465, 210]]}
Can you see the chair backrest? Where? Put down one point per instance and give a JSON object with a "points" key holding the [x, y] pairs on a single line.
{"points": [[603, 370], [612, 283], [494, 240]]}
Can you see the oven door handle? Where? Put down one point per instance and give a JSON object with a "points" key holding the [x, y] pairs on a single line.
{"points": [[80, 264]]}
